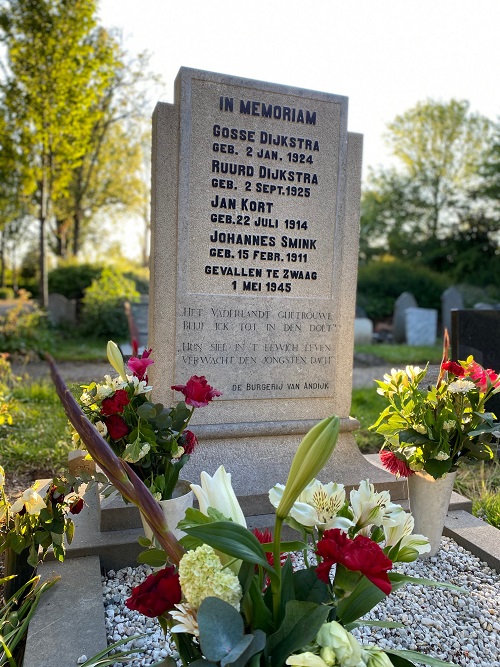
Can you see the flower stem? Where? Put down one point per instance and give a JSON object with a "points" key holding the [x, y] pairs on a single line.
{"points": [[276, 588]]}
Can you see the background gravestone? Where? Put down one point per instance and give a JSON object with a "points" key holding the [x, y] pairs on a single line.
{"points": [[421, 326], [451, 299], [61, 310], [404, 301], [255, 224], [476, 333]]}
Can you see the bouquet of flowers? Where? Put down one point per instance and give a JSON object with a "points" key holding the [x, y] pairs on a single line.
{"points": [[233, 598], [152, 438], [433, 429], [35, 522]]}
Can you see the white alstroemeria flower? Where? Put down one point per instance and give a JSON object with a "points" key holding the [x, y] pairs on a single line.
{"points": [[102, 428], [403, 531], [317, 506], [140, 386], [187, 619], [103, 391], [370, 507], [31, 500], [2, 476], [218, 493], [86, 398]]}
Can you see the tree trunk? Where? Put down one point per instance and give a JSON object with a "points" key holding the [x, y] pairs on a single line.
{"points": [[2, 259], [44, 281], [76, 231]]}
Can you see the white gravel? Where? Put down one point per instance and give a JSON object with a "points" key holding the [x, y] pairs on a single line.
{"points": [[462, 628]]}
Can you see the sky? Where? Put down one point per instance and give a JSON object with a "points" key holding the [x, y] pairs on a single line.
{"points": [[384, 55]]}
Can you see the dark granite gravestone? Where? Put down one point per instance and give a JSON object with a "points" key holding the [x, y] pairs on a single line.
{"points": [[477, 332]]}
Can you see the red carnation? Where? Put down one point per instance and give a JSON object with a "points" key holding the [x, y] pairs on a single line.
{"points": [[117, 428], [188, 442], [453, 367], [77, 506], [138, 366], [359, 555], [394, 465], [266, 537], [197, 391], [157, 594], [114, 404]]}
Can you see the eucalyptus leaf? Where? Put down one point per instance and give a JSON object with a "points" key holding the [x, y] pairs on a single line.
{"points": [[221, 628], [146, 411]]}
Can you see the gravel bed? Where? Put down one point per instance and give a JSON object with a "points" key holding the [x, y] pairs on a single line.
{"points": [[462, 628]]}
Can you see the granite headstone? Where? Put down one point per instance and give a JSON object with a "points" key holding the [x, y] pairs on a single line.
{"points": [[402, 303], [255, 224], [421, 326], [451, 299], [476, 333]]}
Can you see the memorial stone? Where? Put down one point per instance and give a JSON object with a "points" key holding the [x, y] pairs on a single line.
{"points": [[61, 310], [451, 299], [404, 301], [255, 224], [421, 326]]}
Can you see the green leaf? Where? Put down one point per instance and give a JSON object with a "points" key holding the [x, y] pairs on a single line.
{"points": [[146, 411], [375, 624], [399, 579], [262, 617], [418, 657], [221, 628], [363, 598], [285, 547], [233, 540], [153, 557], [309, 588], [144, 542], [301, 624]]}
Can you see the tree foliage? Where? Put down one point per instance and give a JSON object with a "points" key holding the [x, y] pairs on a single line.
{"points": [[68, 98], [432, 208]]}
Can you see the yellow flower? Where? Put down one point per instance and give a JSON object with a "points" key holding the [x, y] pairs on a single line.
{"points": [[31, 500], [2, 476]]}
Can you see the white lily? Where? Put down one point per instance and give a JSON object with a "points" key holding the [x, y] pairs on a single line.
{"points": [[317, 506], [218, 493], [403, 531], [31, 500]]}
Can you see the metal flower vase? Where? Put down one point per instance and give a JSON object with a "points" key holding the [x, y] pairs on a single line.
{"points": [[174, 509], [429, 502]]}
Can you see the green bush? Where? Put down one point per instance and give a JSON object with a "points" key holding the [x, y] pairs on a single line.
{"points": [[380, 283], [71, 280], [103, 305], [24, 329], [487, 507], [6, 293]]}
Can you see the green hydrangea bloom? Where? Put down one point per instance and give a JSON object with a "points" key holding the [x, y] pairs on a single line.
{"points": [[201, 575]]}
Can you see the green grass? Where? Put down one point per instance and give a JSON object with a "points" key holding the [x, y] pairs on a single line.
{"points": [[480, 481], [80, 349], [366, 407], [402, 355], [40, 438]]}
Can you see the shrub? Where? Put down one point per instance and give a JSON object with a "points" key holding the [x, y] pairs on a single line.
{"points": [[24, 329], [71, 280], [487, 507], [103, 305], [381, 282], [6, 293]]}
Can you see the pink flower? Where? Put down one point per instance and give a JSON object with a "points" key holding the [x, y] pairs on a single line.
{"points": [[138, 366], [480, 376], [359, 555], [198, 393], [115, 404], [394, 465]]}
